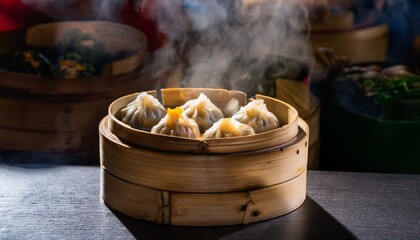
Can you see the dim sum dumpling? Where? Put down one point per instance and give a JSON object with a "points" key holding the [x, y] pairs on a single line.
{"points": [[256, 115], [228, 127], [203, 111], [143, 113], [176, 123]]}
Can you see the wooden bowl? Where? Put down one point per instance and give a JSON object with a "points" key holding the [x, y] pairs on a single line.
{"points": [[286, 114]]}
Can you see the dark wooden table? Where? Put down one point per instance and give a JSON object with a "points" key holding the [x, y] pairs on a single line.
{"points": [[62, 202]]}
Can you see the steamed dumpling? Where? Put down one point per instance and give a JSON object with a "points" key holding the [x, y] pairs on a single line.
{"points": [[143, 113], [203, 111], [176, 123], [256, 115], [228, 127]]}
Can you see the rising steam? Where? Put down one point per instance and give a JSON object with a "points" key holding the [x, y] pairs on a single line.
{"points": [[217, 43], [227, 44]]}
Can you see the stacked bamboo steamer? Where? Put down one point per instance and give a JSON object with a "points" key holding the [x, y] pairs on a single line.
{"points": [[298, 95], [364, 41], [60, 116], [188, 182]]}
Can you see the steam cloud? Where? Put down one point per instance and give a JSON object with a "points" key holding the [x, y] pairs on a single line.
{"points": [[217, 43], [227, 44]]}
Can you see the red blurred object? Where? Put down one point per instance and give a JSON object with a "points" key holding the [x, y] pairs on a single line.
{"points": [[16, 15], [143, 21]]}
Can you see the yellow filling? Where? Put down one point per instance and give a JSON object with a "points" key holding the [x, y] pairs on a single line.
{"points": [[226, 126], [252, 113], [174, 115]]}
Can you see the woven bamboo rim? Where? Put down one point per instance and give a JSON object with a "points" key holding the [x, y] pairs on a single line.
{"points": [[198, 172], [287, 115], [199, 209]]}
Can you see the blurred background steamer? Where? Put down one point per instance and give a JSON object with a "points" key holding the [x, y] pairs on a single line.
{"points": [[56, 85]]}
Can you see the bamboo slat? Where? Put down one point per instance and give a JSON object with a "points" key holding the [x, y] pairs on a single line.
{"points": [[202, 209], [197, 172], [287, 115]]}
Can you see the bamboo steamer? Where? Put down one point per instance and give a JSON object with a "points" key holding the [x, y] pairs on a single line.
{"points": [[202, 209], [298, 95], [312, 118], [59, 115], [199, 172], [191, 188], [171, 97], [357, 44]]}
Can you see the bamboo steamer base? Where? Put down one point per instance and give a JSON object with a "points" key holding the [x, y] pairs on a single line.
{"points": [[202, 209]]}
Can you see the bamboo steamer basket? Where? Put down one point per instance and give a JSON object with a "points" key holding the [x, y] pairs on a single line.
{"points": [[189, 172], [203, 188], [171, 97], [58, 115], [357, 43], [202, 209], [298, 95], [312, 118]]}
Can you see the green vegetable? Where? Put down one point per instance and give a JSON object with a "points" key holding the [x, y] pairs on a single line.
{"points": [[72, 65]]}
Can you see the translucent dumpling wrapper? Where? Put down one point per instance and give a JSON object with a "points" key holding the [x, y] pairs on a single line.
{"points": [[203, 111], [143, 113], [256, 115], [176, 123], [228, 127]]}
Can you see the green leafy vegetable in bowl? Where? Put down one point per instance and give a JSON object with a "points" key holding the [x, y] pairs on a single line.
{"points": [[378, 82], [72, 65]]}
